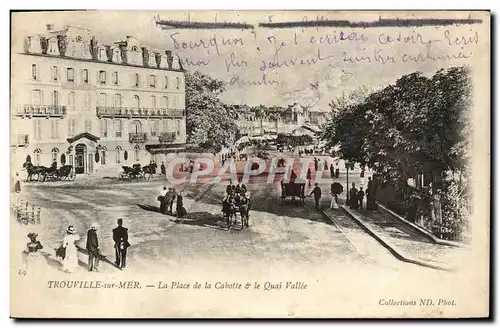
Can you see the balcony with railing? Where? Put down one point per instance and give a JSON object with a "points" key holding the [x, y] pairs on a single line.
{"points": [[41, 111], [137, 137], [167, 137], [128, 112], [20, 140]]}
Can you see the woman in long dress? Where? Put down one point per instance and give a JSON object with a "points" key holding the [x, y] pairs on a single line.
{"points": [[70, 262]]}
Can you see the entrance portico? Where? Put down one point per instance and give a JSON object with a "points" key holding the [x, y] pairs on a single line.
{"points": [[82, 150]]}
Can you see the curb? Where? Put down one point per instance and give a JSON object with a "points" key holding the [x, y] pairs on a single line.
{"points": [[391, 248], [422, 230]]}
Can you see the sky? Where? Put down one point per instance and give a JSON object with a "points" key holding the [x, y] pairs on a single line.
{"points": [[310, 66]]}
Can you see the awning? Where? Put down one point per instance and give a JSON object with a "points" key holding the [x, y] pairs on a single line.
{"points": [[165, 148]]}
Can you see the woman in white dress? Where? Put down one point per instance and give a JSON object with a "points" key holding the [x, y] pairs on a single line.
{"points": [[70, 262]]}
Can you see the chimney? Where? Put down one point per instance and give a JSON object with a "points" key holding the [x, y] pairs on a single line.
{"points": [[50, 27]]}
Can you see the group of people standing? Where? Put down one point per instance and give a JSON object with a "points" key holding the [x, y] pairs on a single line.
{"points": [[68, 249], [356, 197], [167, 198]]}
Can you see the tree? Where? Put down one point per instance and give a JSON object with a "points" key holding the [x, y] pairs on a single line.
{"points": [[209, 122], [418, 125]]}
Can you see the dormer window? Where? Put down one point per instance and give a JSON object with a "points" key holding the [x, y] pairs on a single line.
{"points": [[134, 48], [117, 56], [163, 61], [102, 54], [35, 45], [78, 39], [53, 48], [152, 60]]}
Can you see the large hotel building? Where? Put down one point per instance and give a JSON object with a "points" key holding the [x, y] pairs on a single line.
{"points": [[79, 102]]}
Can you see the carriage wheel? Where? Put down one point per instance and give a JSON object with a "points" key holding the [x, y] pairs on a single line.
{"points": [[72, 175], [41, 177]]}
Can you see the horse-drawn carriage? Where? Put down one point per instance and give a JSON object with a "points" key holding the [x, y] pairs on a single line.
{"points": [[234, 205], [293, 190], [42, 173], [137, 172]]}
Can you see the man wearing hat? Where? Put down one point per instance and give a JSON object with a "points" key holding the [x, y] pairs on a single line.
{"points": [[93, 248], [120, 237]]}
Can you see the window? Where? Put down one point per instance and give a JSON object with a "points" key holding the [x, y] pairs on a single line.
{"points": [[54, 153], [103, 157], [104, 128], [165, 126], [63, 159], [118, 128], [78, 39], [36, 158], [102, 54], [166, 82], [154, 129], [102, 77], [136, 152], [71, 100], [134, 48], [175, 102], [152, 60], [136, 127], [118, 100], [53, 49], [54, 73], [137, 102], [55, 98], [34, 72], [85, 76], [71, 127], [153, 102], [103, 101], [118, 153], [88, 100], [88, 125], [116, 56], [36, 97], [178, 82], [164, 102], [115, 78], [70, 75], [178, 127], [37, 128], [136, 80], [152, 81]]}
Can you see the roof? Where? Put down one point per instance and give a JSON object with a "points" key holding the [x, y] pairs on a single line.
{"points": [[83, 135]]}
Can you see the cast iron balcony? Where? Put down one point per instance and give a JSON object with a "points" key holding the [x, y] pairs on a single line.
{"points": [[167, 137], [41, 111], [137, 137], [129, 112]]}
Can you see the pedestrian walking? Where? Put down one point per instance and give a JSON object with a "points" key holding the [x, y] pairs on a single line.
{"points": [[180, 210], [170, 198], [93, 248], [361, 196], [70, 261], [317, 195], [332, 171], [308, 176], [162, 199], [353, 197], [163, 169], [120, 237], [17, 184], [325, 166], [337, 172], [315, 164]]}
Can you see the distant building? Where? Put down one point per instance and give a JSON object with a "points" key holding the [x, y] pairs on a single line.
{"points": [[255, 122], [91, 105]]}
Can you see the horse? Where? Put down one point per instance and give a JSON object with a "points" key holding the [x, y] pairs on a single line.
{"points": [[228, 211], [32, 170], [245, 213], [149, 169]]}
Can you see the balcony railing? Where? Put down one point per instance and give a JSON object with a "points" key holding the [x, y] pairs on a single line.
{"points": [[41, 110], [137, 137], [167, 137], [21, 140], [128, 112]]}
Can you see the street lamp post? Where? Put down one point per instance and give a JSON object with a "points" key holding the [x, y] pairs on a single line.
{"points": [[347, 182]]}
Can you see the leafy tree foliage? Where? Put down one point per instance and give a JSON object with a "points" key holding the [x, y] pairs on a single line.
{"points": [[209, 122]]}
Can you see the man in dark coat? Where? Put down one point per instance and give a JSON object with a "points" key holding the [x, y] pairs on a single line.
{"points": [[181, 211], [93, 248], [337, 172], [361, 196], [230, 189], [120, 237], [163, 169], [317, 195], [353, 197], [169, 201], [162, 199], [17, 184]]}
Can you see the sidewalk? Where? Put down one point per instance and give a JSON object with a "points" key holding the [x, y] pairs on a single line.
{"points": [[406, 242]]}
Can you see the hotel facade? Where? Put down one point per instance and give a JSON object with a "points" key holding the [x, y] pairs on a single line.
{"points": [[77, 102]]}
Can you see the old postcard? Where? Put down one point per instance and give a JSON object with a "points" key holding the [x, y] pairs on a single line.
{"points": [[250, 164]]}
